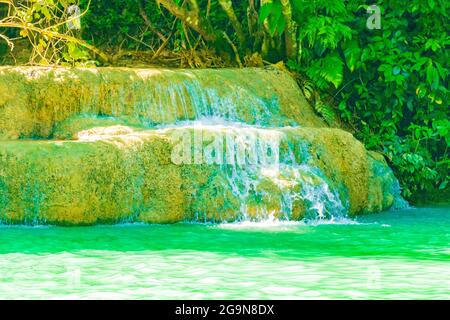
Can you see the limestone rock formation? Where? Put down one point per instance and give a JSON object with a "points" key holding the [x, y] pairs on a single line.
{"points": [[80, 147]]}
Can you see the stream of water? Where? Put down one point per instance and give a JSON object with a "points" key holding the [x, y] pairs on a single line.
{"points": [[392, 255]]}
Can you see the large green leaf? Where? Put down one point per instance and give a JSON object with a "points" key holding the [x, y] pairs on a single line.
{"points": [[332, 70]]}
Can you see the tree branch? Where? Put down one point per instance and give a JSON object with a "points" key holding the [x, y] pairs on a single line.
{"points": [[149, 24], [227, 6], [191, 18], [104, 57]]}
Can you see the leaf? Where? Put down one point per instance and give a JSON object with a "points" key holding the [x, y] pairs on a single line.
{"points": [[265, 11], [352, 54], [42, 43], [281, 25], [325, 111], [333, 70], [272, 14], [46, 13], [432, 76], [326, 71], [308, 90], [274, 18], [75, 53], [431, 3]]}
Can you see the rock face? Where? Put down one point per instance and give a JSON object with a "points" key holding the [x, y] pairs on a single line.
{"points": [[81, 147], [36, 101]]}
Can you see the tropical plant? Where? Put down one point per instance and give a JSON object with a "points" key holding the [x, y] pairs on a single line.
{"points": [[50, 28]]}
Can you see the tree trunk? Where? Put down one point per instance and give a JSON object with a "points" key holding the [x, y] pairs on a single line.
{"points": [[267, 39], [227, 6], [191, 18], [290, 33]]}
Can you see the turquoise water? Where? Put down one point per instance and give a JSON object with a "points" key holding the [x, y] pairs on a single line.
{"points": [[402, 254]]}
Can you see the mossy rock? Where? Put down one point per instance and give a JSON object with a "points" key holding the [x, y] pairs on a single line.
{"points": [[34, 101], [77, 183], [105, 161], [343, 159], [128, 175]]}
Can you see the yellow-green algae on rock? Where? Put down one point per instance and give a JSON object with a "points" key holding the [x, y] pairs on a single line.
{"points": [[118, 175], [87, 146], [75, 183], [35, 100]]}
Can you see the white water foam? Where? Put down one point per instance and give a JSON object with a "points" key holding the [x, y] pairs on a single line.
{"points": [[271, 223]]}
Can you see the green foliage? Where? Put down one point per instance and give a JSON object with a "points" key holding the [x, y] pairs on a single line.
{"points": [[272, 13], [327, 70], [391, 85], [325, 111], [75, 55], [109, 22]]}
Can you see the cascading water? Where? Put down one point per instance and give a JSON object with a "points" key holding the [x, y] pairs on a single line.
{"points": [[252, 122], [222, 113], [252, 149], [189, 100], [264, 176]]}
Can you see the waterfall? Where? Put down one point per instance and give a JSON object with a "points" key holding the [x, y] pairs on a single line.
{"points": [[85, 146], [265, 172]]}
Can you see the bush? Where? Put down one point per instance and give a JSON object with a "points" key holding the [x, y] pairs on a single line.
{"points": [[390, 85]]}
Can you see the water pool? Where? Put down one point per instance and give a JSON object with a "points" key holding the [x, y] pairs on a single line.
{"points": [[392, 255]]}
